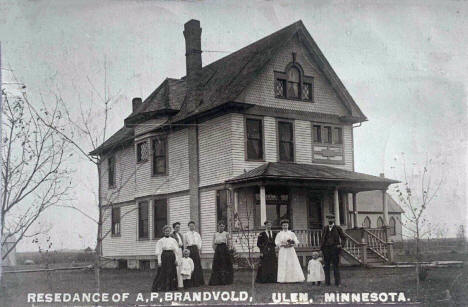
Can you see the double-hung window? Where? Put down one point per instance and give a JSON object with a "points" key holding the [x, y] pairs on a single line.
{"points": [[327, 144], [159, 217], [111, 171], [159, 152], [143, 220], [286, 141], [115, 221], [254, 138]]}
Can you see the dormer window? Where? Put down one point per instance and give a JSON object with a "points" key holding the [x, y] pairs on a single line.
{"points": [[293, 84]]}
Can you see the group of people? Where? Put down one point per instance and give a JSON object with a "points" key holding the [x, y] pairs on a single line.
{"points": [[286, 267], [180, 266], [179, 261]]}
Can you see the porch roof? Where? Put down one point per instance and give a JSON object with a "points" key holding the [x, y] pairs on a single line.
{"points": [[311, 172]]}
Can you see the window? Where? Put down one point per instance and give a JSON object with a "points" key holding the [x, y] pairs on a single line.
{"points": [[327, 136], [221, 206], [294, 83], [115, 221], [307, 91], [254, 139], [277, 207], [159, 149], [286, 141], [337, 135], [280, 88], [159, 217], [317, 131], [392, 224], [366, 223], [142, 151], [380, 222], [111, 171], [143, 225]]}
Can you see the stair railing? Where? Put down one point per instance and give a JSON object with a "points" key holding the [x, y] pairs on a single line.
{"points": [[377, 245], [355, 249]]}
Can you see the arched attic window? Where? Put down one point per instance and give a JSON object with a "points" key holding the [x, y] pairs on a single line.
{"points": [[292, 83], [366, 223]]}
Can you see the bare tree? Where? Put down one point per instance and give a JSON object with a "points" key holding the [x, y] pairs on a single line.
{"points": [[84, 131], [34, 171], [416, 193], [244, 235]]}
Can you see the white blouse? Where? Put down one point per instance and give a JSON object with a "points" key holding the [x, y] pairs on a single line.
{"points": [[283, 236], [186, 267], [192, 238], [168, 243]]}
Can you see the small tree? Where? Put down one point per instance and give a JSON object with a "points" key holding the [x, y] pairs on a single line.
{"points": [[416, 193], [245, 236]]}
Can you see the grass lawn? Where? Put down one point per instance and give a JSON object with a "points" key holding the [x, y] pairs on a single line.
{"points": [[355, 279]]}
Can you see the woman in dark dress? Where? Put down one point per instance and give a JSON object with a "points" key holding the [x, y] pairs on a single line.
{"points": [[168, 253], [222, 272], [193, 242], [268, 268]]}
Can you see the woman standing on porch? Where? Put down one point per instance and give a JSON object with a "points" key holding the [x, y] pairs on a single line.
{"points": [[222, 272], [193, 243], [289, 268]]}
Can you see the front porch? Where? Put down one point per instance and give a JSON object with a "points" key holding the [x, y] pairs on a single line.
{"points": [[277, 191]]}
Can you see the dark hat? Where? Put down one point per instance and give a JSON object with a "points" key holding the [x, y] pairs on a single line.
{"points": [[331, 217], [285, 221]]}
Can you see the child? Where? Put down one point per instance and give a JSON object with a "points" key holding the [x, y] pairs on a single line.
{"points": [[315, 270], [186, 268]]}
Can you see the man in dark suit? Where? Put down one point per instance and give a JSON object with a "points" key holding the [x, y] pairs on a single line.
{"points": [[332, 240], [268, 268]]}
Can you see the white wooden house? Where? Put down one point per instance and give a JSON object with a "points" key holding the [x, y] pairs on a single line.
{"points": [[263, 133]]}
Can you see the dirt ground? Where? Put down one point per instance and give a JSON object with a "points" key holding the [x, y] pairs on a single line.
{"points": [[355, 279]]}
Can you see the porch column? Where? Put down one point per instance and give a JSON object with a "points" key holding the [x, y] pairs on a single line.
{"points": [[385, 207], [236, 201], [355, 211], [336, 200], [262, 205]]}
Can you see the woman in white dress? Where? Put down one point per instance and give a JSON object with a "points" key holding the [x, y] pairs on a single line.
{"points": [[289, 268]]}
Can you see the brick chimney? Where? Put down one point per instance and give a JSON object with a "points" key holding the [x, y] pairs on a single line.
{"points": [[136, 102], [193, 60]]}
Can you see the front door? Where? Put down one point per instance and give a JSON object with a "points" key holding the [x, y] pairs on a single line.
{"points": [[315, 210]]}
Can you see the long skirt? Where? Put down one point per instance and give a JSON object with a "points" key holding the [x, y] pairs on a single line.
{"points": [[289, 268], [197, 275], [268, 267], [166, 278], [222, 272]]}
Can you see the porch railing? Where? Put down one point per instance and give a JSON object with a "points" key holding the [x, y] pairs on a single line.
{"points": [[355, 249], [309, 238]]}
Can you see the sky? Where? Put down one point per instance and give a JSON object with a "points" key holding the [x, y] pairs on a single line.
{"points": [[405, 63]]}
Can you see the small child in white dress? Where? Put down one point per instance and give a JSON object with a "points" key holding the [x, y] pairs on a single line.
{"points": [[315, 273], [186, 268]]}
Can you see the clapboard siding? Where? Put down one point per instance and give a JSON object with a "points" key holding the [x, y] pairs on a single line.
{"points": [[261, 91], [207, 219], [215, 150], [179, 211], [303, 141], [124, 176], [127, 244], [177, 178], [271, 146]]}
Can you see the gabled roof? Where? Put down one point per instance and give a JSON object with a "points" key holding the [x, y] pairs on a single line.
{"points": [[224, 80], [371, 201], [291, 171]]}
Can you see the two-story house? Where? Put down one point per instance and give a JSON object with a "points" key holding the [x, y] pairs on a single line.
{"points": [[263, 133]]}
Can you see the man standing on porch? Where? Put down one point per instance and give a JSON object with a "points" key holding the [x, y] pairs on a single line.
{"points": [[332, 240]]}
